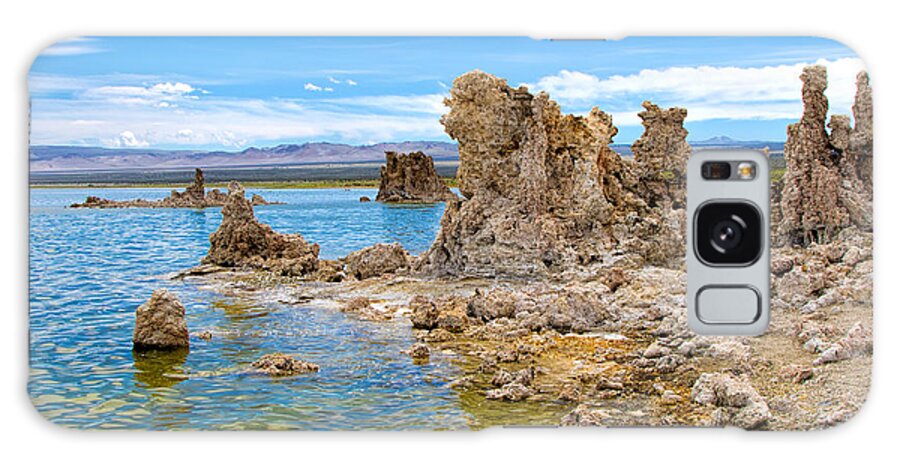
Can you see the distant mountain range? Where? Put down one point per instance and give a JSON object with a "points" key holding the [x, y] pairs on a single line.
{"points": [[46, 158]]}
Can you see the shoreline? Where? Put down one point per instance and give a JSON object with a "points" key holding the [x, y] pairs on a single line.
{"points": [[271, 185]]}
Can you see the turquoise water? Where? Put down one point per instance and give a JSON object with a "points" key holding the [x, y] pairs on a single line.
{"points": [[90, 269]]}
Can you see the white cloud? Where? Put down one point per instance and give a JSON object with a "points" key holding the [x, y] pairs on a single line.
{"points": [[351, 82], [162, 94], [127, 139], [707, 92], [232, 123], [312, 87], [333, 80], [69, 47]]}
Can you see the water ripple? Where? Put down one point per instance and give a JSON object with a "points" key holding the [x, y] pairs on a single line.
{"points": [[90, 269]]}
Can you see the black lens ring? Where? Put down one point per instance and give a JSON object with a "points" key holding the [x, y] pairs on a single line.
{"points": [[742, 250]]}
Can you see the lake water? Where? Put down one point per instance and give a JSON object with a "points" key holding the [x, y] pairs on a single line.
{"points": [[90, 269]]}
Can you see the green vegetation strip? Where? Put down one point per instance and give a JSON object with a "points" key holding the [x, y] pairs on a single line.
{"points": [[293, 184]]}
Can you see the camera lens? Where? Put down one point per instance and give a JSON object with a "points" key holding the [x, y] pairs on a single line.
{"points": [[728, 233]]}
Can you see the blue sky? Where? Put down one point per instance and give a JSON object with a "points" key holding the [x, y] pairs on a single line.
{"points": [[232, 93]]}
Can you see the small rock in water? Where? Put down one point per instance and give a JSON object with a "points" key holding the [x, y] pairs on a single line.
{"points": [[160, 324], [419, 351], [279, 364], [364, 199]]}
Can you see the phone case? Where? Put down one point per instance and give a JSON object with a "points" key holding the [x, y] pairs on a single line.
{"points": [[435, 233]]}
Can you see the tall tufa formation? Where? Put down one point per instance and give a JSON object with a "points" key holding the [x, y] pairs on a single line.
{"points": [[242, 241], [861, 141], [823, 192], [411, 178], [661, 154], [543, 191], [195, 192]]}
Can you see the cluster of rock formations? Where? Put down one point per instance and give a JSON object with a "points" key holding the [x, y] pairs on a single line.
{"points": [[411, 178], [543, 192], [828, 182], [241, 241], [160, 323], [194, 196]]}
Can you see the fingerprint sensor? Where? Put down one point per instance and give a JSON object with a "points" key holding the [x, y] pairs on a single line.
{"points": [[726, 304]]}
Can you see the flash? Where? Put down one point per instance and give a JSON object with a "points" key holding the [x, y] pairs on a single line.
{"points": [[746, 170]]}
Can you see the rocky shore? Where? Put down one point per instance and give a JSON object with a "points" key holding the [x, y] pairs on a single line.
{"points": [[194, 196], [556, 281]]}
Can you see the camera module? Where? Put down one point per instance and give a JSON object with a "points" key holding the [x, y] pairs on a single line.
{"points": [[728, 233]]}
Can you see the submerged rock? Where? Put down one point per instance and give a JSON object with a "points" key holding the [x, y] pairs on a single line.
{"points": [[543, 192], [377, 260], [160, 323], [242, 241], [411, 178], [419, 351], [280, 364], [194, 196], [510, 392]]}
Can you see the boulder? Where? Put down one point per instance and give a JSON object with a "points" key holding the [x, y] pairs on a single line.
{"points": [[419, 351], [242, 241], [377, 260], [411, 178], [447, 313], [739, 403], [160, 324]]}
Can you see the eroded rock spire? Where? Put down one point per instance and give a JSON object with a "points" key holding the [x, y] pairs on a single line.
{"points": [[242, 241], [823, 192], [543, 191]]}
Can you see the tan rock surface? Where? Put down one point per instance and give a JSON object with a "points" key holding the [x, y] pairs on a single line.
{"points": [[411, 178], [377, 260], [823, 192], [242, 241], [543, 192], [160, 323]]}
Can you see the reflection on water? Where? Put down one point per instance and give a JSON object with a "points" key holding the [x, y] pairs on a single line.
{"points": [[157, 368], [90, 269]]}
